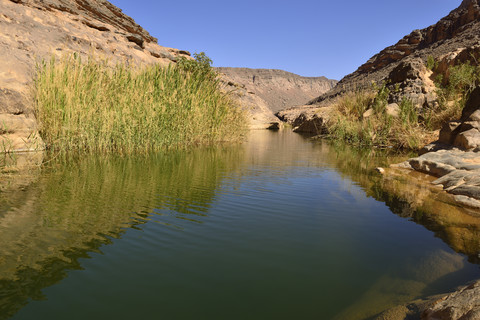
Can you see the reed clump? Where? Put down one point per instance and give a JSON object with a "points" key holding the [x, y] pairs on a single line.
{"points": [[87, 105]]}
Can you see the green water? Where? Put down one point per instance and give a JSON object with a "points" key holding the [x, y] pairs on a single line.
{"points": [[276, 228]]}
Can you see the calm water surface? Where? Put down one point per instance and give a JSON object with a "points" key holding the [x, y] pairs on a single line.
{"points": [[277, 228]]}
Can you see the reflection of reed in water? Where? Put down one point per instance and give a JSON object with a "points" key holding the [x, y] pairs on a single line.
{"points": [[75, 206]]}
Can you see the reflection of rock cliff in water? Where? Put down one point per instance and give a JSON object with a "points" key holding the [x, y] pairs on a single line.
{"points": [[412, 196], [72, 208]]}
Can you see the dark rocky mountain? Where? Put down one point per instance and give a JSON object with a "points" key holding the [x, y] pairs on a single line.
{"points": [[403, 66], [446, 41]]}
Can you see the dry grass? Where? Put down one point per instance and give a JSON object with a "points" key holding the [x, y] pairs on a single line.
{"points": [[348, 123], [414, 126]]}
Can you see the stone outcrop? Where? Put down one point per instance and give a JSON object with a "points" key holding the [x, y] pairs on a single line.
{"points": [[463, 304], [458, 173], [464, 133], [32, 30], [306, 119], [411, 80]]}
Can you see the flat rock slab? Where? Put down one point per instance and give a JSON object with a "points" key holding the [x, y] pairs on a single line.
{"points": [[458, 173]]}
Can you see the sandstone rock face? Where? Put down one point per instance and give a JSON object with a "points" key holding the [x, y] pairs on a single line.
{"points": [[410, 79], [32, 30], [279, 89]]}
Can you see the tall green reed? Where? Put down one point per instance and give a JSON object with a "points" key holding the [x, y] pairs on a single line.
{"points": [[91, 106]]}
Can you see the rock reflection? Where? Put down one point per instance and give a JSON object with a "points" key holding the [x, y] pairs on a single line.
{"points": [[410, 195]]}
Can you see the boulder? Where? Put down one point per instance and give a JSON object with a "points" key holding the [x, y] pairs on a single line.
{"points": [[465, 133], [314, 125], [407, 70], [472, 106], [368, 113], [467, 140]]}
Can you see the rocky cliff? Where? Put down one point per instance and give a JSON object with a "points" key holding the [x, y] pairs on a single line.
{"points": [[454, 39], [32, 30], [444, 41], [279, 89]]}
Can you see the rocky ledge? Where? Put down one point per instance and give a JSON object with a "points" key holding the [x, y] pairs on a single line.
{"points": [[458, 173], [462, 304]]}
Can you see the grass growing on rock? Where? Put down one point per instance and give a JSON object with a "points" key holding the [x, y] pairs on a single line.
{"points": [[361, 118], [91, 106], [453, 89]]}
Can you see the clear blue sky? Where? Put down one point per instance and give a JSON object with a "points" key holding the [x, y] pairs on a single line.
{"points": [[307, 37]]}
